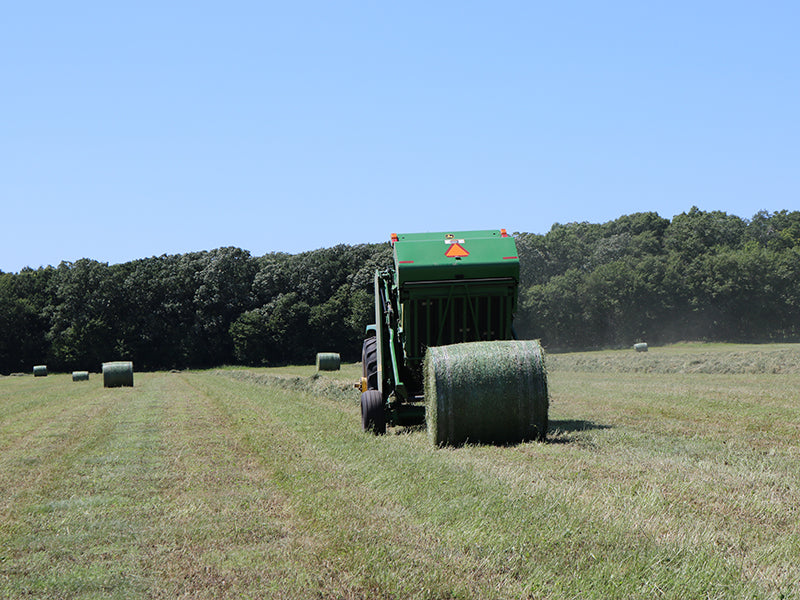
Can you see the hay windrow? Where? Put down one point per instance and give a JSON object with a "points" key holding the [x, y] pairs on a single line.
{"points": [[320, 386], [486, 392]]}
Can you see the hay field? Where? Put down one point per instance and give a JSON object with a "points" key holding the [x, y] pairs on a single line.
{"points": [[687, 357], [234, 484]]}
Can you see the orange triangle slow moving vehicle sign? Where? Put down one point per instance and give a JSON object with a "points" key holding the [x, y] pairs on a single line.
{"points": [[455, 251]]}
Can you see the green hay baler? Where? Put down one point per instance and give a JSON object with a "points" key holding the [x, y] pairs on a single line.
{"points": [[455, 292]]}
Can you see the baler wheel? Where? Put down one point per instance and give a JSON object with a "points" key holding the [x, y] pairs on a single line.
{"points": [[369, 362], [373, 417]]}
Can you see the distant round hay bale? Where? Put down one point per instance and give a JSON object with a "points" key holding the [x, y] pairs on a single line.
{"points": [[328, 361], [40, 371], [640, 347], [118, 374], [492, 392], [80, 376]]}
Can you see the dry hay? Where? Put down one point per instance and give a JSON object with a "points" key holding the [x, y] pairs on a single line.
{"points": [[314, 384], [118, 374], [486, 392], [328, 361]]}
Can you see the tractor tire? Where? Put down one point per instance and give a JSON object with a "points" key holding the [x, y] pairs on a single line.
{"points": [[373, 418], [369, 362]]}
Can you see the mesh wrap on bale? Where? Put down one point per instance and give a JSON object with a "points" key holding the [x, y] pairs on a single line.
{"points": [[118, 374], [328, 361], [640, 347], [40, 371], [80, 376], [481, 392]]}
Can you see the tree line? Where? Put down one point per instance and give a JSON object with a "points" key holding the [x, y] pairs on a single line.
{"points": [[196, 310], [700, 276]]}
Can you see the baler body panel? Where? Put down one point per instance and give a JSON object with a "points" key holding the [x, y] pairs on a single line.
{"points": [[484, 254], [450, 294]]}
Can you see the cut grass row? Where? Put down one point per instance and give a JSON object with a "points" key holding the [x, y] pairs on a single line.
{"points": [[226, 484]]}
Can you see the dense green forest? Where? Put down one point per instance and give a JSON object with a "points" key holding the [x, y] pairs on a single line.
{"points": [[700, 276]]}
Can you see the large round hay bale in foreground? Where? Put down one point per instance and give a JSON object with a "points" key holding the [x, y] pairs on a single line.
{"points": [[328, 361], [640, 347], [80, 376], [486, 392], [40, 371], [118, 374]]}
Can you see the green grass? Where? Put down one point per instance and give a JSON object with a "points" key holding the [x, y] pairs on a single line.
{"points": [[254, 484]]}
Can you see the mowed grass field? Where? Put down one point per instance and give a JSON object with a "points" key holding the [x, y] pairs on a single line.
{"points": [[238, 484]]}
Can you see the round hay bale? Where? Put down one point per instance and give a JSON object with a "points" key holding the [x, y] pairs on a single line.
{"points": [[493, 392], [118, 374], [328, 361], [80, 376], [640, 347], [40, 371]]}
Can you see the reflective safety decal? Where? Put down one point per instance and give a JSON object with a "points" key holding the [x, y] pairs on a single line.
{"points": [[456, 251]]}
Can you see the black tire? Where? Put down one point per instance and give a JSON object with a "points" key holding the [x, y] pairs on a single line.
{"points": [[373, 418], [369, 362]]}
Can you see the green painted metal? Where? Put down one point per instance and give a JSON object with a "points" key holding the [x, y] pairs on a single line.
{"points": [[424, 256], [458, 311]]}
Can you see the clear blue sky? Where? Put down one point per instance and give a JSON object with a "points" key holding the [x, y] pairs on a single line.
{"points": [[136, 129]]}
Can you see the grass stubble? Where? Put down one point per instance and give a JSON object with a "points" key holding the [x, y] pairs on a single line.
{"points": [[228, 484]]}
